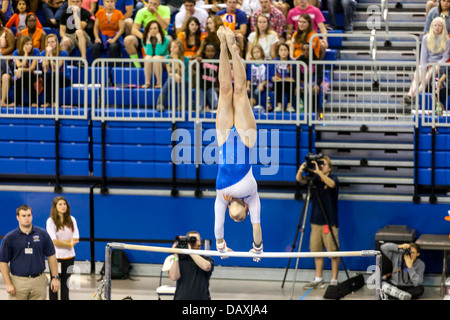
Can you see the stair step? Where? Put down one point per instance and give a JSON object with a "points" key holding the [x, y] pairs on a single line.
{"points": [[368, 75], [382, 172], [342, 96], [388, 189], [374, 163], [364, 146], [393, 17], [367, 109], [387, 137], [382, 55], [377, 180], [374, 155], [371, 128]]}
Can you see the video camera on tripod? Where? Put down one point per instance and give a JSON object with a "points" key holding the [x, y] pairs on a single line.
{"points": [[310, 157]]}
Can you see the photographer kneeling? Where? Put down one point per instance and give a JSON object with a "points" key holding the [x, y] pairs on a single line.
{"points": [[191, 272], [317, 169], [407, 271]]}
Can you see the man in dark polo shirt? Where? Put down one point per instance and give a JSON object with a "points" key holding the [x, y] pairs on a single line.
{"points": [[327, 186], [25, 249], [192, 273]]}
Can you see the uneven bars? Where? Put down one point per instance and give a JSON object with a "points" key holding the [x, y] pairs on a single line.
{"points": [[124, 246]]}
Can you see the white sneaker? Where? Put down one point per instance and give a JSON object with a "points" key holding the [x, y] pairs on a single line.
{"points": [[278, 109], [290, 109]]}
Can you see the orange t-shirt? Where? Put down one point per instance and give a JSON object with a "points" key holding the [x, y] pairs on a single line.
{"points": [[192, 50], [15, 20], [36, 37], [298, 47], [109, 27]]}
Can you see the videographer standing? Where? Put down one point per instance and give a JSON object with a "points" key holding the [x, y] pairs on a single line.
{"points": [[327, 186], [407, 268], [191, 272]]}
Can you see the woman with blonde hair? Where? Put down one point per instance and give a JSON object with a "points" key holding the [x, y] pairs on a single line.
{"points": [[435, 48], [264, 36], [63, 230], [51, 67]]}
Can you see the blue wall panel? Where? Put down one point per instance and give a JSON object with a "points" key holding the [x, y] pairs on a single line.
{"points": [[161, 217]]}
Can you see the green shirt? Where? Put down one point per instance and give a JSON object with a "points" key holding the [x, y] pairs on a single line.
{"points": [[143, 16]]}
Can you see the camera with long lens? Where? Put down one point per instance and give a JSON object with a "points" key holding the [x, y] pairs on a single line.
{"points": [[407, 252], [310, 157], [184, 241]]}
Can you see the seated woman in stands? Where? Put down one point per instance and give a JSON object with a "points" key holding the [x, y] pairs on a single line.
{"points": [[442, 10], [51, 67], [435, 49], [265, 37], [156, 45], [213, 23], [283, 77], [175, 75], [108, 29], [299, 49], [37, 34], [24, 76], [191, 38]]}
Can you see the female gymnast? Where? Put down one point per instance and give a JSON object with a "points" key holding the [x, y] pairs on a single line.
{"points": [[236, 135]]}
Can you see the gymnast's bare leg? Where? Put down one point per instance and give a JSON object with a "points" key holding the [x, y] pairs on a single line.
{"points": [[234, 109]]}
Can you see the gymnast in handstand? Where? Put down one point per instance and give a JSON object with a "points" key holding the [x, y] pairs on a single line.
{"points": [[236, 135]]}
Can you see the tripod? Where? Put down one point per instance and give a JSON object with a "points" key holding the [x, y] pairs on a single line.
{"points": [[301, 227]]}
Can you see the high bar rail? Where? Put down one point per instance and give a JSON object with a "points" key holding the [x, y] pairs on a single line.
{"points": [[125, 246]]}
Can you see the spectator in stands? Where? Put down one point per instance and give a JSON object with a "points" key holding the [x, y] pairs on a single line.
{"points": [[156, 45], [282, 76], [91, 6], [18, 18], [209, 79], [51, 67], [37, 34], [153, 11], [257, 75], [52, 10], [407, 268], [175, 75], [213, 24], [276, 17], [347, 7], [299, 49], [72, 28], [435, 48], [265, 37], [6, 79], [126, 7], [236, 20], [182, 17], [63, 230], [24, 75], [317, 23], [7, 9], [443, 11], [108, 29], [327, 187], [7, 38], [191, 37]]}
